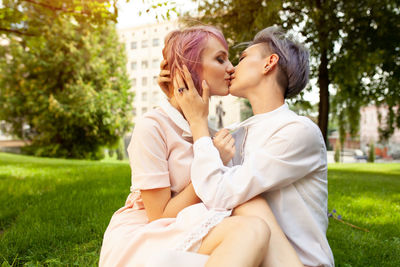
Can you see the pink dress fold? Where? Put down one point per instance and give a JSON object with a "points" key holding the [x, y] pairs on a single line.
{"points": [[160, 155]]}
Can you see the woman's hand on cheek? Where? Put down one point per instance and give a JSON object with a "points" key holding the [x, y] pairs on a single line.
{"points": [[193, 106]]}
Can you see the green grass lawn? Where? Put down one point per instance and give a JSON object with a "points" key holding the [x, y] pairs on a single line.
{"points": [[54, 212]]}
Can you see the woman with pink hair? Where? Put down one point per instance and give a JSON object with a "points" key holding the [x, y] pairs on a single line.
{"points": [[162, 214]]}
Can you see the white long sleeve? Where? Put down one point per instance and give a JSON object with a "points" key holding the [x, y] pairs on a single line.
{"points": [[284, 160], [280, 162]]}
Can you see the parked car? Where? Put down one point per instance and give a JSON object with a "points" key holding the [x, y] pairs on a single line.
{"points": [[360, 155]]}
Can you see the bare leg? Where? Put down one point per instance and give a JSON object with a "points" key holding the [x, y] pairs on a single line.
{"points": [[279, 251], [226, 242]]}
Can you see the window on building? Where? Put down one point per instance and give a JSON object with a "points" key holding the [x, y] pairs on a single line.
{"points": [[144, 81], [156, 42], [144, 96], [155, 80], [155, 96], [133, 45], [145, 44], [133, 82], [145, 64], [133, 65], [154, 63], [144, 110], [134, 111]]}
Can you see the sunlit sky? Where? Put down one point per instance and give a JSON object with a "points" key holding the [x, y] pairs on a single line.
{"points": [[129, 12]]}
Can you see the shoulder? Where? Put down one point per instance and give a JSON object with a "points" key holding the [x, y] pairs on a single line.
{"points": [[148, 134], [311, 129], [150, 123], [302, 130]]}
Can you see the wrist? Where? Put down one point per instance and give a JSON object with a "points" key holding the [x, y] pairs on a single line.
{"points": [[199, 129]]}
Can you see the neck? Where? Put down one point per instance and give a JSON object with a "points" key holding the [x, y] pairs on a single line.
{"points": [[265, 97]]}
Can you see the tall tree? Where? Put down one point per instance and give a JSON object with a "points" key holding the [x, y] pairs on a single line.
{"points": [[16, 15], [375, 78], [348, 41], [63, 74]]}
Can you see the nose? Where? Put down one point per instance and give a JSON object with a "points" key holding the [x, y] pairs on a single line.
{"points": [[230, 69]]}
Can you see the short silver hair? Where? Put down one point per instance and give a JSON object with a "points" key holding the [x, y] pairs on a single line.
{"points": [[293, 59]]}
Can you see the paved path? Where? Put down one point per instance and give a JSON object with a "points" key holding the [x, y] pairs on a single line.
{"points": [[13, 143]]}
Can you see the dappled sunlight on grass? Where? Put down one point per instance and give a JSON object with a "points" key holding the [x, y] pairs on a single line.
{"points": [[368, 196], [370, 210], [54, 211], [59, 205]]}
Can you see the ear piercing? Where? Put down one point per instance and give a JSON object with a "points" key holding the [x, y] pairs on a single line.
{"points": [[180, 90]]}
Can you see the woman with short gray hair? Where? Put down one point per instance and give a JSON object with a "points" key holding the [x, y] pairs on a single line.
{"points": [[284, 154], [293, 59]]}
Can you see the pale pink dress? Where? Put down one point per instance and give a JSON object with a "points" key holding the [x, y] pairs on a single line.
{"points": [[160, 155]]}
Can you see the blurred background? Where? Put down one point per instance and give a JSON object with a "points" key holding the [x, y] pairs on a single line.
{"points": [[75, 75]]}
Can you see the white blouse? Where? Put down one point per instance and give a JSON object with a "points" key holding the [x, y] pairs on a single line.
{"points": [[281, 156]]}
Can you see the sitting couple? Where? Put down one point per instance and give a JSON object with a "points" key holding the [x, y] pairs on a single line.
{"points": [[259, 198]]}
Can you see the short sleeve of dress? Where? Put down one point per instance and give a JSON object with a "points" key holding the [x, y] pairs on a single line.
{"points": [[148, 155]]}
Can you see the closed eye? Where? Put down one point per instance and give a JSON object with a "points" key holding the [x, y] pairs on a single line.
{"points": [[242, 56]]}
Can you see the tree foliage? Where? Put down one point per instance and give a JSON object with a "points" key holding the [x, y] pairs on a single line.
{"points": [[63, 73], [354, 47], [16, 15]]}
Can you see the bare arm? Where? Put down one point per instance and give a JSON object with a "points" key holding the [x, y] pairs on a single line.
{"points": [[159, 204]]}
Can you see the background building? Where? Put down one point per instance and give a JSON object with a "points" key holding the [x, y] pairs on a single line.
{"points": [[144, 52], [369, 125]]}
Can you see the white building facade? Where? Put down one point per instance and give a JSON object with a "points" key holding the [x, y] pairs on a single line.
{"points": [[144, 46]]}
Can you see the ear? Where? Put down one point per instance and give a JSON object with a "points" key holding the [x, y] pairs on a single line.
{"points": [[270, 63]]}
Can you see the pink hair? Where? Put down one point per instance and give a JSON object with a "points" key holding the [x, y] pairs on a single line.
{"points": [[185, 47]]}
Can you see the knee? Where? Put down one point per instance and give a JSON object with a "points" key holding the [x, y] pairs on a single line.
{"points": [[261, 228], [256, 228]]}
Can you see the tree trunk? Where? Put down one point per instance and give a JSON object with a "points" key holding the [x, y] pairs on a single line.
{"points": [[323, 82]]}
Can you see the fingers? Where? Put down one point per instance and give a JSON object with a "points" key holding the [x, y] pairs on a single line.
{"points": [[163, 64], [176, 86], [224, 138], [225, 144], [164, 77], [163, 80], [206, 91], [231, 143], [179, 79], [164, 73], [222, 133], [178, 83], [189, 80]]}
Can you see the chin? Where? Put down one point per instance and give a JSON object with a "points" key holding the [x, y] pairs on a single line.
{"points": [[223, 92], [232, 91]]}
